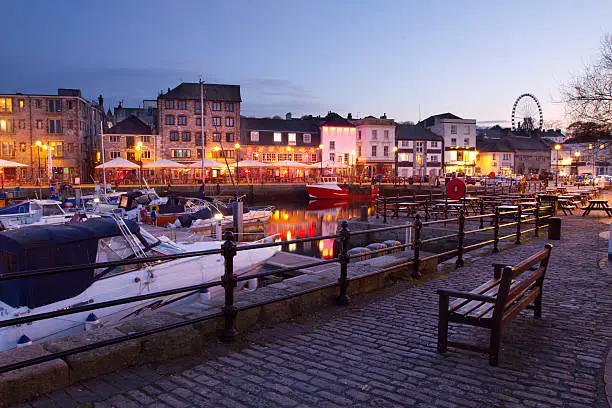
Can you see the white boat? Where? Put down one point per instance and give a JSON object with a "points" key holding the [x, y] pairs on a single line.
{"points": [[34, 212], [98, 240]]}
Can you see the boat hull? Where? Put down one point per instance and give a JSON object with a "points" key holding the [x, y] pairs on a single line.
{"points": [[325, 193]]}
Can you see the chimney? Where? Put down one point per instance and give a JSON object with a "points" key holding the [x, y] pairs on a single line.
{"points": [[101, 102], [349, 116], [384, 116], [288, 116]]}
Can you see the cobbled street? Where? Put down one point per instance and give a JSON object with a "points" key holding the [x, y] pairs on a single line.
{"points": [[381, 350]]}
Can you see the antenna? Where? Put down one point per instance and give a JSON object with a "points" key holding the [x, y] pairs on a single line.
{"points": [[419, 112]]}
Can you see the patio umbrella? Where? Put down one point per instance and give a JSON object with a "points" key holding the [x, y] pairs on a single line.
{"points": [[332, 164], [164, 164], [207, 163], [250, 163], [288, 163], [5, 164], [118, 163]]}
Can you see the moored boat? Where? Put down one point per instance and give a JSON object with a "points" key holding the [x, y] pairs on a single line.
{"points": [[327, 188]]}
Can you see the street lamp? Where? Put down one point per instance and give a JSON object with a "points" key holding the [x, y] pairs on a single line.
{"points": [[321, 157], [352, 163], [557, 148], [139, 151], [38, 144], [237, 147], [396, 164]]}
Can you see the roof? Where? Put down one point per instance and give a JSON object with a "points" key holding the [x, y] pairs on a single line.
{"points": [[280, 125], [415, 132], [526, 143], [212, 92], [333, 119], [499, 145], [130, 126]]}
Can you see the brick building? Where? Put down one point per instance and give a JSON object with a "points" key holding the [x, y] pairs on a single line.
{"points": [[66, 122], [123, 139], [180, 131]]}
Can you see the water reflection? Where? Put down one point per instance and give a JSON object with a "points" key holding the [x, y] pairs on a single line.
{"points": [[315, 218]]}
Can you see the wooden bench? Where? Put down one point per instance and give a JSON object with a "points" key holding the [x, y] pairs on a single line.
{"points": [[493, 304]]}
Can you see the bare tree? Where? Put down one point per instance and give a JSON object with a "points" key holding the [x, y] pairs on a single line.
{"points": [[588, 97]]}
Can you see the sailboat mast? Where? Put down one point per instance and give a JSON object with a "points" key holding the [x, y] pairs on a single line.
{"points": [[103, 159], [202, 138]]}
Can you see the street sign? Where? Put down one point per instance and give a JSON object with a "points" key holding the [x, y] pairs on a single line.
{"points": [[455, 189]]}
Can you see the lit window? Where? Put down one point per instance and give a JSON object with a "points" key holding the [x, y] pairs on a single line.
{"points": [[181, 153], [254, 136], [291, 139], [216, 137], [278, 137], [145, 154], [6, 104], [114, 154], [21, 104]]}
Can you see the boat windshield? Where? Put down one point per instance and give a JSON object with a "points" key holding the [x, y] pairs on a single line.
{"points": [[157, 247]]}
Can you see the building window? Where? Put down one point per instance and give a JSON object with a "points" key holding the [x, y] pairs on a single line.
{"points": [[198, 108], [55, 126], [145, 139], [181, 153], [114, 138], [314, 157], [332, 157], [198, 121], [254, 136], [434, 158], [129, 142], [358, 151], [229, 122], [332, 145], [216, 137], [373, 151], [115, 154], [386, 151], [57, 149], [278, 137], [359, 135], [8, 149], [216, 121], [461, 156], [374, 134], [55, 105], [39, 124], [174, 136], [453, 129], [307, 138], [220, 154], [182, 120], [216, 106], [169, 104], [38, 104], [493, 156], [406, 144], [229, 137], [198, 139], [70, 147], [466, 141], [145, 154], [269, 157], [454, 141], [419, 147], [186, 136], [229, 107], [22, 147], [21, 124], [182, 105], [70, 105], [433, 144], [291, 139], [466, 131], [506, 156], [386, 134], [6, 105], [169, 119], [130, 156]]}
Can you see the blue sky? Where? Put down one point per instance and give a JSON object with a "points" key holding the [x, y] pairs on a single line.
{"points": [[472, 58]]}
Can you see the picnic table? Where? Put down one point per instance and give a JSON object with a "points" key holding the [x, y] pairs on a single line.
{"points": [[598, 205]]}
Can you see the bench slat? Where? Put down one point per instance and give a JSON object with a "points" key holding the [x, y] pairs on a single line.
{"points": [[479, 290]]}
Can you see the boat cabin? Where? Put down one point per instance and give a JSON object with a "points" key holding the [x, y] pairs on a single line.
{"points": [[34, 207], [328, 180]]}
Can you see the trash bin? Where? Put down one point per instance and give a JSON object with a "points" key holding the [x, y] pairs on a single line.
{"points": [[554, 228], [363, 213]]}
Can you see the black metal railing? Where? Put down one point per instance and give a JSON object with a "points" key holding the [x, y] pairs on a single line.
{"points": [[229, 280]]}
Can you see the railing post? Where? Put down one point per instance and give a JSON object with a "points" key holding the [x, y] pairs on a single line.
{"points": [[385, 210], [396, 212], [537, 220], [345, 235], [427, 203], [418, 225], [518, 224], [496, 231], [377, 206], [481, 213], [229, 333], [460, 236]]}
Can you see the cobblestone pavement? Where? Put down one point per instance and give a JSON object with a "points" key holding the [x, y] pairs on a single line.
{"points": [[381, 351]]}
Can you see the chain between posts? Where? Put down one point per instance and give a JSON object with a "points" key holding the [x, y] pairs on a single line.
{"points": [[461, 237], [418, 225], [229, 333], [345, 235], [496, 231], [519, 216]]}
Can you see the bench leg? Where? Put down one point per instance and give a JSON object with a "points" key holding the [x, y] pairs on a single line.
{"points": [[443, 324], [537, 303], [495, 345]]}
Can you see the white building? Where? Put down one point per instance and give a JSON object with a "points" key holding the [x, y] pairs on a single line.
{"points": [[575, 158], [459, 141], [419, 151], [375, 141], [339, 140]]}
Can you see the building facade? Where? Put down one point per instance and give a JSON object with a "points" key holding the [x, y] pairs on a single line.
{"points": [[339, 140], [131, 139], [272, 140], [419, 153], [55, 135], [180, 126], [459, 141], [494, 156], [147, 113], [375, 141], [580, 157]]}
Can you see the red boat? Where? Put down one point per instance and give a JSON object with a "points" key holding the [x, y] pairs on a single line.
{"points": [[327, 188]]}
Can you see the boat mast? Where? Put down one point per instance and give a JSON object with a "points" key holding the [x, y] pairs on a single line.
{"points": [[103, 161], [202, 138]]}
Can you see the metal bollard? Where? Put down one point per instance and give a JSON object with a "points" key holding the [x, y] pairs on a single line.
{"points": [[418, 225], [345, 234], [460, 236], [554, 228]]}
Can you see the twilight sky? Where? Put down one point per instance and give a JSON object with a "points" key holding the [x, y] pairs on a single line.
{"points": [[472, 58]]}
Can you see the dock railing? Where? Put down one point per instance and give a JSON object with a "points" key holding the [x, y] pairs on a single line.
{"points": [[522, 219]]}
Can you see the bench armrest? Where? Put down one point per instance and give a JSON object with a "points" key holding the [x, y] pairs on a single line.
{"points": [[466, 295]]}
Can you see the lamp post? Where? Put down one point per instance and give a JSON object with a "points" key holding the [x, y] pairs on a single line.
{"points": [[396, 164], [237, 147], [352, 163], [139, 151], [38, 144], [321, 157], [557, 148], [577, 156]]}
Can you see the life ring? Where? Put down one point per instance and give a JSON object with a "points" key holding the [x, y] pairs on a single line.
{"points": [[155, 208]]}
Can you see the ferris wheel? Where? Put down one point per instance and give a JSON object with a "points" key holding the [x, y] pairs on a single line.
{"points": [[527, 113]]}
